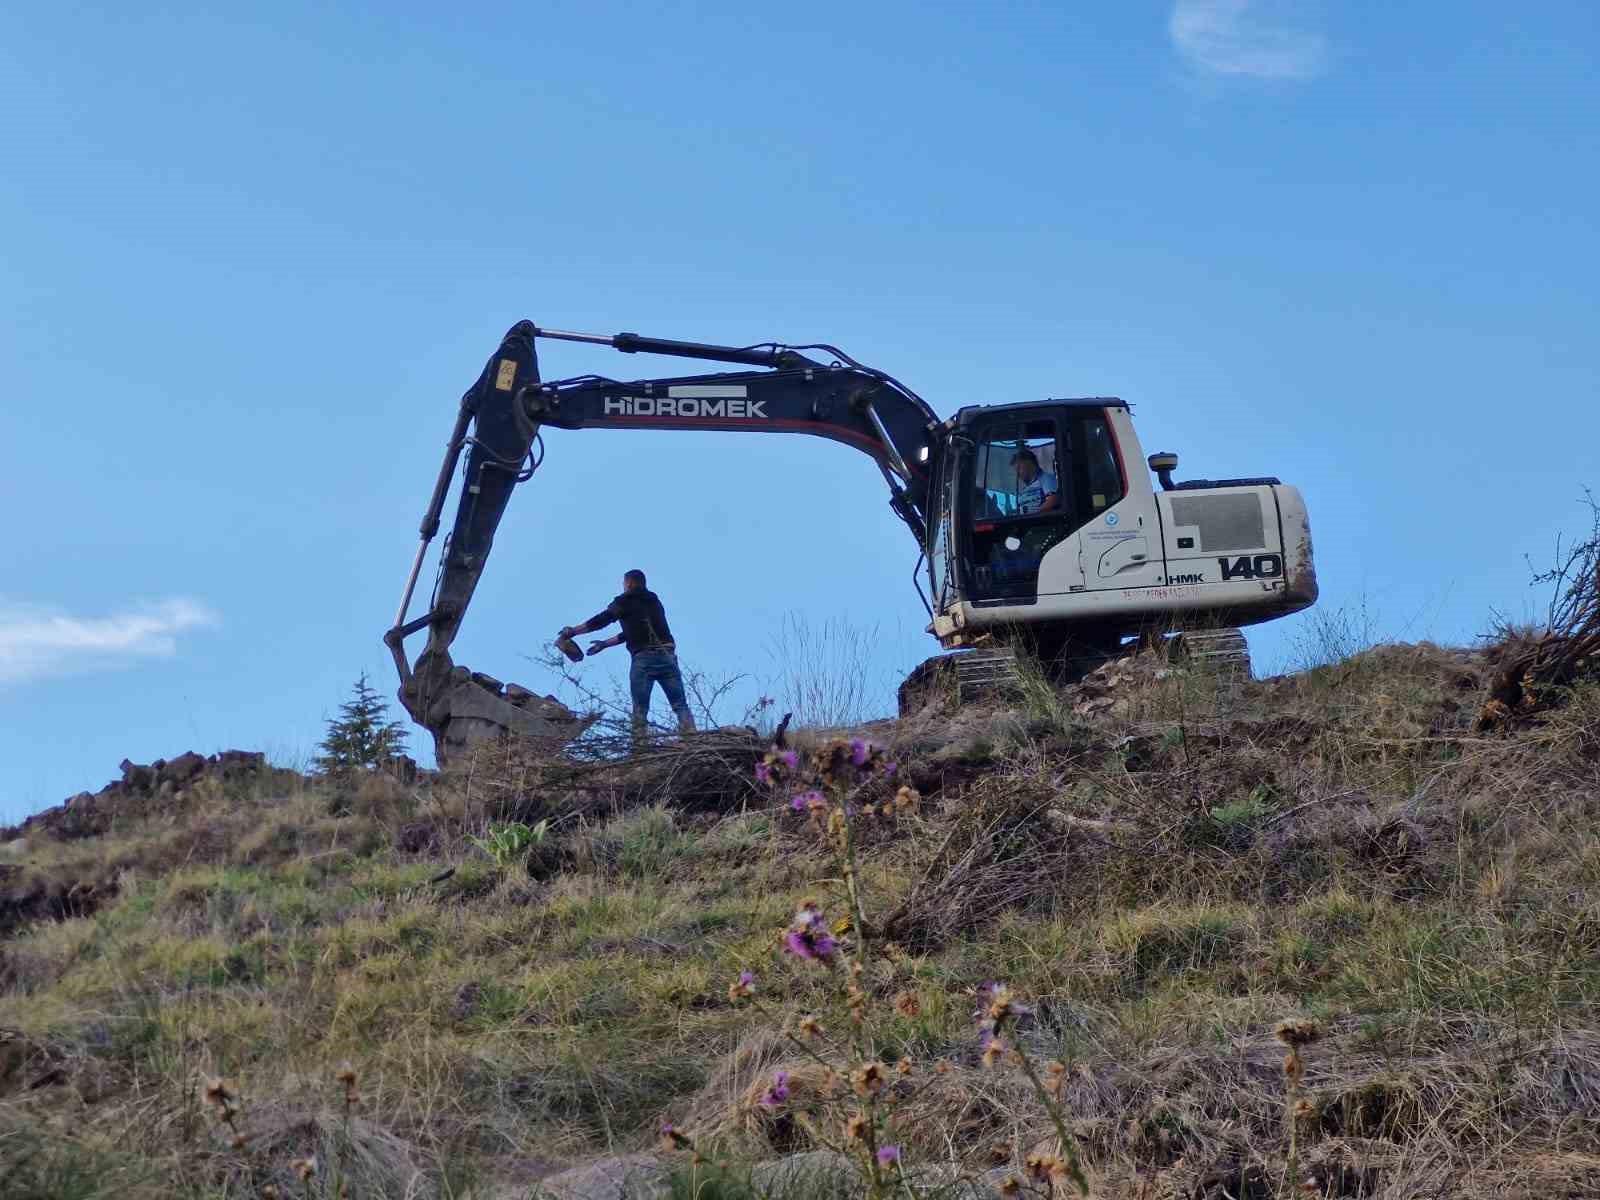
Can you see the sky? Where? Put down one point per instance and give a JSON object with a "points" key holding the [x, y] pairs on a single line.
{"points": [[251, 255]]}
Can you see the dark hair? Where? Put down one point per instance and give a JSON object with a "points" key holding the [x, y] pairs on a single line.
{"points": [[637, 576], [1025, 453]]}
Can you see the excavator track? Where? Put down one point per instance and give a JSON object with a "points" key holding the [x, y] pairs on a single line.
{"points": [[1220, 649], [993, 673], [986, 674]]}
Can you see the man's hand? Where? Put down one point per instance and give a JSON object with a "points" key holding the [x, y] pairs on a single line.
{"points": [[599, 644]]}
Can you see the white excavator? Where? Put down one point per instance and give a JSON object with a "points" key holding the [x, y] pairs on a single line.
{"points": [[1038, 526]]}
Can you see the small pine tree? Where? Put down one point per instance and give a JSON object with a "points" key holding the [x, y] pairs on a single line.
{"points": [[361, 737]]}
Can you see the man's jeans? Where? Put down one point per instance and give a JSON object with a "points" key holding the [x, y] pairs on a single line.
{"points": [[652, 667]]}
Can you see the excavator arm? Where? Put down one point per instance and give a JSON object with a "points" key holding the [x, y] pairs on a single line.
{"points": [[498, 429]]}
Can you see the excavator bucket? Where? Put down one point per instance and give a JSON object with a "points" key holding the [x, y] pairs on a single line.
{"points": [[466, 707]]}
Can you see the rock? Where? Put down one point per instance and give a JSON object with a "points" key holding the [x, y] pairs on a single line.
{"points": [[619, 1177], [80, 798], [519, 695], [487, 681], [239, 762], [183, 769], [815, 1174], [136, 778], [14, 849]]}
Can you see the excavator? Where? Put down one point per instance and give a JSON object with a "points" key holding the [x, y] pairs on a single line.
{"points": [[1035, 526]]}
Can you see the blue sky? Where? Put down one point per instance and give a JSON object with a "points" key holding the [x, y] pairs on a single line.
{"points": [[252, 255]]}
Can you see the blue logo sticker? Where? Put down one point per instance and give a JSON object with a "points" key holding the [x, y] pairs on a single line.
{"points": [[1111, 518]]}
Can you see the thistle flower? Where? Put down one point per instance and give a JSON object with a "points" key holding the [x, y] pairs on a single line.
{"points": [[809, 938], [808, 801], [1041, 1167], [867, 1080], [907, 1004], [776, 766], [855, 1129], [994, 1049], [1304, 1110], [218, 1094], [860, 752], [908, 800], [903, 1066], [1009, 1186], [858, 1003], [305, 1167], [889, 1156], [810, 1026], [778, 1092], [346, 1074], [742, 988], [671, 1139], [1297, 1033], [1002, 1005]]}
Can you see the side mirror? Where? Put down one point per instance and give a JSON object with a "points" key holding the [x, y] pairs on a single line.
{"points": [[1164, 463]]}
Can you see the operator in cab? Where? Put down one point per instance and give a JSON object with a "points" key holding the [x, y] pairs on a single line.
{"points": [[1037, 491], [649, 640]]}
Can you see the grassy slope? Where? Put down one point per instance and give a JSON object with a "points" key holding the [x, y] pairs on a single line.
{"points": [[1169, 878]]}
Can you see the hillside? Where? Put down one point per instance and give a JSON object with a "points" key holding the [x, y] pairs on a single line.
{"points": [[214, 972]]}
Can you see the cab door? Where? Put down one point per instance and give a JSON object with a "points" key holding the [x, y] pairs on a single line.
{"points": [[1016, 521], [1119, 544]]}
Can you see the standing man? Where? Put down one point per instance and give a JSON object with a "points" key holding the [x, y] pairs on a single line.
{"points": [[649, 640]]}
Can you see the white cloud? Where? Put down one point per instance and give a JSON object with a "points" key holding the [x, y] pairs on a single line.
{"points": [[36, 642], [1246, 37]]}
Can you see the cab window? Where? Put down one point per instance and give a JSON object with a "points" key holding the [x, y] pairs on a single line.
{"points": [[1021, 503], [1017, 472], [1102, 471]]}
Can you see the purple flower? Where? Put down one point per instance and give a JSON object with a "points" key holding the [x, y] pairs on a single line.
{"points": [[747, 979], [888, 1155], [819, 946], [789, 759], [806, 801], [889, 769], [809, 938], [763, 773], [778, 1092], [860, 752]]}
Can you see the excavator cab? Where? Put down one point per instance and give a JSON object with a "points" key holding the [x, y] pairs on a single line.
{"points": [[1047, 526]]}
